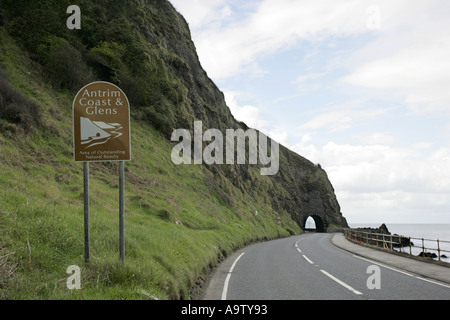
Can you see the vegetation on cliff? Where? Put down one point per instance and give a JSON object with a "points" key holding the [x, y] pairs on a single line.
{"points": [[180, 220]]}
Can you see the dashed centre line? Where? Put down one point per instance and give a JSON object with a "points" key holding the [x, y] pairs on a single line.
{"points": [[300, 251], [307, 259], [342, 283]]}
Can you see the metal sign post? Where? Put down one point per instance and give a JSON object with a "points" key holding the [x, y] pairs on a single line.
{"points": [[101, 133], [122, 210], [86, 211]]}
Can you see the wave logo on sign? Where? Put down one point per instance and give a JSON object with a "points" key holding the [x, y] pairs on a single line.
{"points": [[98, 132], [101, 123]]}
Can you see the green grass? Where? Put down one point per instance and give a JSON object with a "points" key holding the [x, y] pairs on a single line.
{"points": [[180, 221]]}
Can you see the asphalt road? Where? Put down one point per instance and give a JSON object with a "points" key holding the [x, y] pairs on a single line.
{"points": [[310, 267]]}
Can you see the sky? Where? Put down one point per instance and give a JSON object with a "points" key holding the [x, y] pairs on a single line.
{"points": [[360, 87]]}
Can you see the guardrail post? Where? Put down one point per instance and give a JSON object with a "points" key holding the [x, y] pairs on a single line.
{"points": [[439, 251]]}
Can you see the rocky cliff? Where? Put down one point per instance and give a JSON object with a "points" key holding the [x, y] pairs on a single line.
{"points": [[300, 188], [145, 47]]}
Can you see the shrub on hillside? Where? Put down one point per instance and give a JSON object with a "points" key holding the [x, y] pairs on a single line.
{"points": [[15, 108], [64, 63], [31, 22], [106, 59]]}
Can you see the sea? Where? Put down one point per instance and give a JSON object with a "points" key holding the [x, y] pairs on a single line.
{"points": [[429, 232]]}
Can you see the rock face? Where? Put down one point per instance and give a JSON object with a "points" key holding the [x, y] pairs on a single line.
{"points": [[382, 233], [300, 188], [310, 192], [428, 255], [149, 53], [381, 229]]}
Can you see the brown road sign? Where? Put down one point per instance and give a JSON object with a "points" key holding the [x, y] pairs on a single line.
{"points": [[101, 123]]}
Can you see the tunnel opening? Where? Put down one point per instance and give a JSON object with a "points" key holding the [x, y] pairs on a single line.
{"points": [[314, 223], [310, 225]]}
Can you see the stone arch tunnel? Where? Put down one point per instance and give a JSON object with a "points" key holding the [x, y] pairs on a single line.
{"points": [[320, 221], [323, 209]]}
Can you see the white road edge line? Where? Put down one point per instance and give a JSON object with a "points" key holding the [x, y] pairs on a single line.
{"points": [[225, 286], [341, 282], [403, 272], [307, 259]]}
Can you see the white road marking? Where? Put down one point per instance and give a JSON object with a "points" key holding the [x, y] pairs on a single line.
{"points": [[341, 282], [225, 286], [307, 259], [403, 272]]}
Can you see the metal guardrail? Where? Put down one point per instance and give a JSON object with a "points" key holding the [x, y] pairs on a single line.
{"points": [[404, 244]]}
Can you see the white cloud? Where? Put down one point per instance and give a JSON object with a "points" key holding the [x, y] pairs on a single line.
{"points": [[382, 138], [410, 63], [279, 135], [379, 179], [227, 49], [199, 13], [343, 116], [394, 207], [336, 120], [363, 168], [418, 76], [247, 114], [251, 117]]}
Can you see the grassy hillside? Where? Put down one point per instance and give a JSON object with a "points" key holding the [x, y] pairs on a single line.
{"points": [[180, 220], [145, 47]]}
